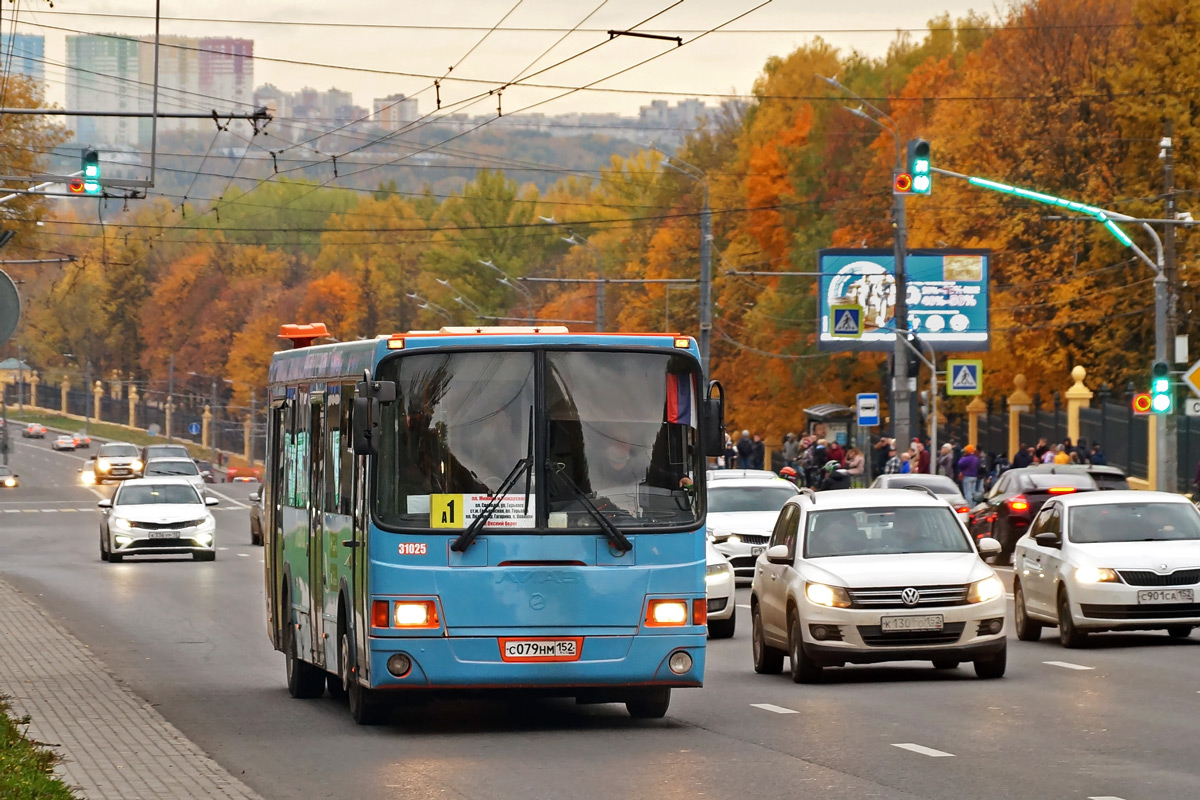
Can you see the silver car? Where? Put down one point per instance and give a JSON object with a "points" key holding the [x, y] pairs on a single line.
{"points": [[741, 513], [157, 516], [175, 468], [940, 485]]}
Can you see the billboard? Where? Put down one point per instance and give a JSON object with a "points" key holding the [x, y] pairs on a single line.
{"points": [[947, 292]]}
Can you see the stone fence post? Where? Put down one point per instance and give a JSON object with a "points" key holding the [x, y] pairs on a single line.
{"points": [[1018, 402], [1078, 396]]}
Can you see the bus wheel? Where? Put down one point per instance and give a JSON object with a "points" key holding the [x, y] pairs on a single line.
{"points": [[649, 703], [366, 705], [304, 681]]}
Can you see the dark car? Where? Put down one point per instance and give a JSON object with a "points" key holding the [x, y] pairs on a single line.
{"points": [[1015, 499], [1106, 477], [206, 471], [256, 518]]}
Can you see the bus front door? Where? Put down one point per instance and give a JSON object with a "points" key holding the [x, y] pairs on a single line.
{"points": [[316, 528]]}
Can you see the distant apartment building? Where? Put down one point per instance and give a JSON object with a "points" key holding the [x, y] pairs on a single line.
{"points": [[103, 75], [195, 75], [395, 111], [24, 54]]}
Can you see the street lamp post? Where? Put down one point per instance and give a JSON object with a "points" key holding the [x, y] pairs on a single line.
{"points": [[699, 175], [901, 394], [504, 279]]}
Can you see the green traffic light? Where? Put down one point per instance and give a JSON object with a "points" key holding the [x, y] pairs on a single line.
{"points": [[1161, 399]]}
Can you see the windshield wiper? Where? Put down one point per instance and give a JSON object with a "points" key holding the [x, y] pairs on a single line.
{"points": [[525, 465], [610, 530]]}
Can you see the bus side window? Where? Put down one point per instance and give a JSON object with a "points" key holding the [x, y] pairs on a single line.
{"points": [[332, 454], [345, 455]]}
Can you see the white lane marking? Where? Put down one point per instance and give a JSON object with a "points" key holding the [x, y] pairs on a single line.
{"points": [[243, 555], [237, 503], [12, 511], [740, 605], [1066, 665], [773, 709], [925, 751], [222, 548], [49, 510], [1105, 797]]}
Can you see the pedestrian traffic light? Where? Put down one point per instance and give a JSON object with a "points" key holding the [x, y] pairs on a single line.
{"points": [[919, 167], [1161, 401], [91, 172]]}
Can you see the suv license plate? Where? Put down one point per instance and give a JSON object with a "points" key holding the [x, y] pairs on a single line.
{"points": [[540, 649], [1156, 596], [926, 622], [757, 551]]}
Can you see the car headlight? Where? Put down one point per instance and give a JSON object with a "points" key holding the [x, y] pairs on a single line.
{"points": [[716, 574], [137, 465], [207, 523], [720, 537], [10, 482], [987, 589], [1096, 575], [122, 524], [203, 537], [831, 596], [102, 464]]}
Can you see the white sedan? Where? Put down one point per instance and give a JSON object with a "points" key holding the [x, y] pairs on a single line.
{"points": [[718, 581], [863, 576], [1104, 561], [742, 507], [157, 516]]}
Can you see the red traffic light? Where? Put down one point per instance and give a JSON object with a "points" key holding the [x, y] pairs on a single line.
{"points": [[903, 183], [76, 186], [1142, 403]]}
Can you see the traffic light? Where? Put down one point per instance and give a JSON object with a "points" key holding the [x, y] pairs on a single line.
{"points": [[1141, 403], [1161, 399], [91, 173], [918, 166]]}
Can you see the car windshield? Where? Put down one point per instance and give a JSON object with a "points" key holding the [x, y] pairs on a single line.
{"points": [[605, 435], [938, 484], [165, 451], [1133, 522], [855, 532], [158, 494], [118, 450], [179, 467], [725, 499], [5, 471]]}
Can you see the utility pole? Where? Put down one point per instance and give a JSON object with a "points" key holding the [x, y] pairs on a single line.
{"points": [[1166, 423], [212, 423], [87, 393], [252, 424], [170, 392], [21, 383], [901, 396]]}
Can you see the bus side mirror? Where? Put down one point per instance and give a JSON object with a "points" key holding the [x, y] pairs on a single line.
{"points": [[366, 426], [712, 409]]}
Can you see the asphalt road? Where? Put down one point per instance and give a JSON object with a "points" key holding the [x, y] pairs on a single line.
{"points": [[1116, 720]]}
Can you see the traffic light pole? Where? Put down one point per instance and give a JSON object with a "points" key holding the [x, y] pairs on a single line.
{"points": [[901, 395], [1166, 450]]}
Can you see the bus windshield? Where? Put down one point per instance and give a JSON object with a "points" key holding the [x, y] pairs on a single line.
{"points": [[613, 433]]}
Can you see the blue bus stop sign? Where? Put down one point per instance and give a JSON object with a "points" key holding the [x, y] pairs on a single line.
{"points": [[194, 429]]}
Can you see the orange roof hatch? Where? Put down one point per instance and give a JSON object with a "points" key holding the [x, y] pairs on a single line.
{"points": [[303, 335]]}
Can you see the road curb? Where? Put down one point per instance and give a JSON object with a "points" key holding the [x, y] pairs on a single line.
{"points": [[113, 745]]}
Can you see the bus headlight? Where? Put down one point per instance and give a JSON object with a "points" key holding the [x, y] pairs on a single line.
{"points": [[665, 613], [415, 614]]}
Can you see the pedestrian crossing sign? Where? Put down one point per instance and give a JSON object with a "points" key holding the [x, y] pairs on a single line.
{"points": [[964, 376], [846, 322]]}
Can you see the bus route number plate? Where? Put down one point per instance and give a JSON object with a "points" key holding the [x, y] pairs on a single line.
{"points": [[540, 649]]}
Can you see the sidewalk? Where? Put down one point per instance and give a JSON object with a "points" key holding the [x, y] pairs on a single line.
{"points": [[113, 745]]}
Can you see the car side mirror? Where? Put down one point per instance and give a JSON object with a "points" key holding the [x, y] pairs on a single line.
{"points": [[105, 503], [778, 554], [988, 546], [254, 498], [1049, 540], [211, 501]]}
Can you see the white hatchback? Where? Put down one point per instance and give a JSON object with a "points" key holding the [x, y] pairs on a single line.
{"points": [[1103, 561], [742, 507], [863, 576], [718, 583]]}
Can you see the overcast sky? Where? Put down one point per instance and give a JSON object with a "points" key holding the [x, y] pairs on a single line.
{"points": [[717, 63]]}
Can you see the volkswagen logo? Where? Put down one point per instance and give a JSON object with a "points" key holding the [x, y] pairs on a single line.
{"points": [[910, 597]]}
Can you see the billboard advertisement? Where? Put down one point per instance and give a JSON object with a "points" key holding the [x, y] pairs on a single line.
{"points": [[947, 293]]}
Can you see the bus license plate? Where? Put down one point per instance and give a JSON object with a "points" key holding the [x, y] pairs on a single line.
{"points": [[927, 622], [1155, 596], [540, 649]]}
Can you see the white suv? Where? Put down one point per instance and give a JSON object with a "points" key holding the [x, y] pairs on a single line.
{"points": [[863, 576]]}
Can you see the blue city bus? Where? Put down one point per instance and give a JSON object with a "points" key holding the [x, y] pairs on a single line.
{"points": [[489, 508]]}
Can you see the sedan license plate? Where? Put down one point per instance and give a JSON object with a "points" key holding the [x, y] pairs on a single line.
{"points": [[1149, 597], [164, 535], [757, 551], [540, 649], [925, 622]]}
